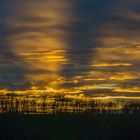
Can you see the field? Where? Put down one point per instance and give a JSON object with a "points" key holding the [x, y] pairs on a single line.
{"points": [[69, 127]]}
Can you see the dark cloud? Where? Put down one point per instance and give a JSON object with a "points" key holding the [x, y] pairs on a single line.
{"points": [[79, 27]]}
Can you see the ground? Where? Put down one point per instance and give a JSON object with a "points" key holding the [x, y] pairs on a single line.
{"points": [[69, 127]]}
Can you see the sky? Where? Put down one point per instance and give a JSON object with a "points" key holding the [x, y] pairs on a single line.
{"points": [[89, 47]]}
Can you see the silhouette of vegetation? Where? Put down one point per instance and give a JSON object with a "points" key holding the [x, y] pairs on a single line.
{"points": [[67, 118], [61, 104], [132, 107]]}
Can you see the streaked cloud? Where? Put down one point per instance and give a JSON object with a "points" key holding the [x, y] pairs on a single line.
{"points": [[72, 46], [111, 65], [128, 90]]}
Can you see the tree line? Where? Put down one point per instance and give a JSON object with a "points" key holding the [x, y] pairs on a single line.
{"points": [[62, 104]]}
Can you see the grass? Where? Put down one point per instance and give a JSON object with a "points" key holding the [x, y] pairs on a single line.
{"points": [[69, 127]]}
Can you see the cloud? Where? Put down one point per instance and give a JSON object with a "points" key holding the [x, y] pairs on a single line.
{"points": [[69, 43]]}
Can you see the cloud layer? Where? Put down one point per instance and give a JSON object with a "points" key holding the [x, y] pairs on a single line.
{"points": [[87, 46]]}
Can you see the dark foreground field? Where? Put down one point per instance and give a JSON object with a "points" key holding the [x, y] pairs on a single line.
{"points": [[69, 127]]}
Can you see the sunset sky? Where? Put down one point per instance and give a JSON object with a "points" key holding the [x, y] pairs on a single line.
{"points": [[70, 46]]}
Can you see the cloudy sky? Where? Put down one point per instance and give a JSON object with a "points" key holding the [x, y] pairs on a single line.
{"points": [[71, 46]]}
